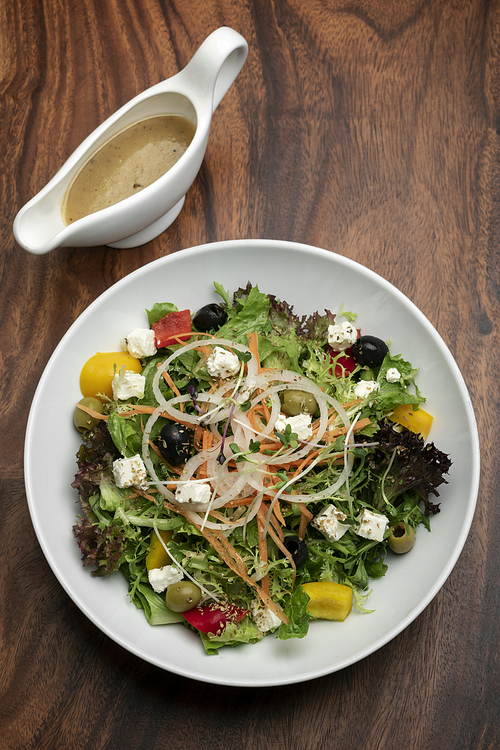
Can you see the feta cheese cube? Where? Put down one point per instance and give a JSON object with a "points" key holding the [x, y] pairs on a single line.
{"points": [[193, 493], [264, 617], [300, 424], [392, 375], [160, 578], [371, 525], [127, 384], [141, 343], [329, 523], [222, 363], [365, 387], [130, 472], [341, 336]]}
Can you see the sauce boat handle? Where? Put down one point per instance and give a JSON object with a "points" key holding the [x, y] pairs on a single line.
{"points": [[216, 64]]}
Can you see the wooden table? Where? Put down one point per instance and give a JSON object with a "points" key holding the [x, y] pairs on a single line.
{"points": [[369, 128]]}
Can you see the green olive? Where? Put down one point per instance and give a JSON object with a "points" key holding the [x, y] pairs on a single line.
{"points": [[84, 421], [182, 596], [402, 538], [298, 402]]}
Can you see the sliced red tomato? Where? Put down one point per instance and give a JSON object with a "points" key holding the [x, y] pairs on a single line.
{"points": [[174, 324], [346, 363], [211, 618]]}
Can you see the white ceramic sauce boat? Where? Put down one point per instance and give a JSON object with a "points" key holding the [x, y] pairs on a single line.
{"points": [[194, 93]]}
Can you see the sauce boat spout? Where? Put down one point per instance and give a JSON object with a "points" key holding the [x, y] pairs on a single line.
{"points": [[194, 94]]}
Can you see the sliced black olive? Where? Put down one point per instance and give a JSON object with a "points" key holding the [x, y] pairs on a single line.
{"points": [[174, 443], [210, 318], [369, 351], [297, 548]]}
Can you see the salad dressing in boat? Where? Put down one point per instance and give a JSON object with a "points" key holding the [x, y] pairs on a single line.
{"points": [[127, 163]]}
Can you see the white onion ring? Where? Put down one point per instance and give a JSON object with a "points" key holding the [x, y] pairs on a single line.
{"points": [[228, 485]]}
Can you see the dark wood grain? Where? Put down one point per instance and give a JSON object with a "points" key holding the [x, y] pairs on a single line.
{"points": [[367, 127]]}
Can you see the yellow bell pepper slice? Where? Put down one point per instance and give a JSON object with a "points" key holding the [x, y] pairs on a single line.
{"points": [[328, 600], [416, 420], [157, 557]]}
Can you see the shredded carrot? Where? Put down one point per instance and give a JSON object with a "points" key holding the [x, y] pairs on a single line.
{"points": [[205, 350], [148, 496], [137, 409], [261, 517], [242, 571], [305, 462], [207, 442], [172, 385], [231, 550], [91, 412], [267, 413], [179, 338], [263, 595], [306, 518], [278, 514], [254, 416], [198, 436], [263, 547], [360, 425], [253, 345], [239, 501], [277, 526], [215, 514]]}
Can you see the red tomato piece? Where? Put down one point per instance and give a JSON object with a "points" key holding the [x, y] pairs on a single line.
{"points": [[346, 363], [173, 324], [210, 618]]}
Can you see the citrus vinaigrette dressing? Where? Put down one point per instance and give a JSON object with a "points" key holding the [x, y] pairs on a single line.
{"points": [[127, 163]]}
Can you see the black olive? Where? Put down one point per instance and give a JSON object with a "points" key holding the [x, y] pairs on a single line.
{"points": [[174, 443], [209, 318], [369, 350], [297, 548]]}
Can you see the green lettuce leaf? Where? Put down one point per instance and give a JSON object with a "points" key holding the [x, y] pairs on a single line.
{"points": [[160, 309], [155, 609], [111, 496], [296, 611], [124, 434], [248, 313], [245, 631]]}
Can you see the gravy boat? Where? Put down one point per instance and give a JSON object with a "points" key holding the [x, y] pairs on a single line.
{"points": [[195, 92]]}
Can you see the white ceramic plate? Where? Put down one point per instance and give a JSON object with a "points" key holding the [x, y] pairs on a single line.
{"points": [[310, 279]]}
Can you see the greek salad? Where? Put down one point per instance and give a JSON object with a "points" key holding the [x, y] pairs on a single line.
{"points": [[249, 470]]}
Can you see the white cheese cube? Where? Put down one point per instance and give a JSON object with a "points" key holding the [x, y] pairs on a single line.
{"points": [[130, 472], [222, 363], [329, 523], [371, 525], [365, 387], [392, 375], [342, 335], [264, 617], [193, 492], [300, 424], [128, 384], [160, 578], [141, 343]]}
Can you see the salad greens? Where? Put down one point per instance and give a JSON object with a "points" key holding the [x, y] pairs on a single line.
{"points": [[268, 482]]}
